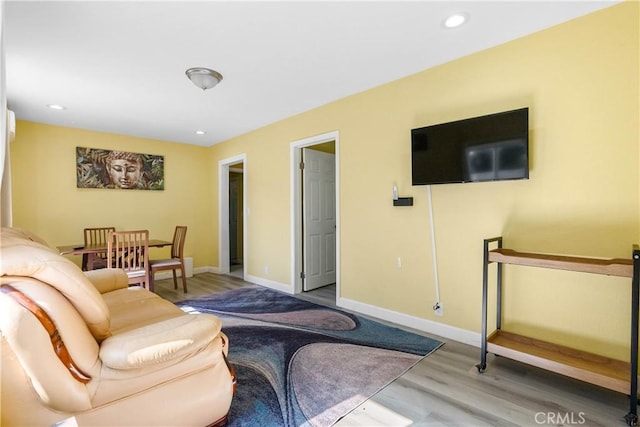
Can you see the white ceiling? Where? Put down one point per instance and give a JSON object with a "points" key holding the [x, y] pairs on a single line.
{"points": [[118, 66]]}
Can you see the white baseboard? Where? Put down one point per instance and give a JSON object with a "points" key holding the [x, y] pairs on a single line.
{"points": [[269, 284], [215, 270], [436, 328], [424, 325]]}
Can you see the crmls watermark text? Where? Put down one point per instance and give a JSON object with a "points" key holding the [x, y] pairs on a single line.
{"points": [[560, 418]]}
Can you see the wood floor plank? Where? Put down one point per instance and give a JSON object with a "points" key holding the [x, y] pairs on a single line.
{"points": [[445, 388]]}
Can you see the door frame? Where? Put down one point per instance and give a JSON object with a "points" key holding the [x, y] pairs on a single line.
{"points": [[224, 166], [296, 205]]}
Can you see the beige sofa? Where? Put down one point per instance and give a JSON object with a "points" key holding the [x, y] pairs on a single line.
{"points": [[125, 356]]}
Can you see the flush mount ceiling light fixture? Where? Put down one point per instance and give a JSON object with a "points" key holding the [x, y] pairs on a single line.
{"points": [[455, 20], [204, 78]]}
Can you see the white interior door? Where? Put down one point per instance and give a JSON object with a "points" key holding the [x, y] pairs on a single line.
{"points": [[319, 218]]}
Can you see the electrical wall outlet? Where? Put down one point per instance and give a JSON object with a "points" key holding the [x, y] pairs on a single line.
{"points": [[438, 310]]}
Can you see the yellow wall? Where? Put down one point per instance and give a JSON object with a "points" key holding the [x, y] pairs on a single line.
{"points": [[580, 81], [47, 202]]}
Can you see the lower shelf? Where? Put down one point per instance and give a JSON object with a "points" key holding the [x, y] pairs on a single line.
{"points": [[602, 371]]}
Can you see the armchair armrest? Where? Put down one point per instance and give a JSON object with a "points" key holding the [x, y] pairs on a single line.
{"points": [[108, 279], [160, 342]]}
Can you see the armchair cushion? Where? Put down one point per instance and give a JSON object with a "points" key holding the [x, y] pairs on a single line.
{"points": [[134, 307], [168, 340], [107, 279]]}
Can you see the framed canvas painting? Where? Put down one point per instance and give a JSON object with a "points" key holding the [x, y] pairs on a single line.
{"points": [[98, 168]]}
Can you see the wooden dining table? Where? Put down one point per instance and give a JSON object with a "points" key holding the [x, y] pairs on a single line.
{"points": [[81, 249], [93, 249]]}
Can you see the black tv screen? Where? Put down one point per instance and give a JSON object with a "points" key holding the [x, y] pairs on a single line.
{"points": [[494, 147]]}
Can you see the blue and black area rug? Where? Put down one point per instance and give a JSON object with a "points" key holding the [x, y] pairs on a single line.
{"points": [[302, 364]]}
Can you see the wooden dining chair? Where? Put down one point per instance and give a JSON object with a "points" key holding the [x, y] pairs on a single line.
{"points": [[176, 262], [129, 251], [96, 236]]}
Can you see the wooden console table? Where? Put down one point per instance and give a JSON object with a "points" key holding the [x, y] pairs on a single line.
{"points": [[605, 372]]}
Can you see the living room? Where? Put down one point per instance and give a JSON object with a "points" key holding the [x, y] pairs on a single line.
{"points": [[579, 80]]}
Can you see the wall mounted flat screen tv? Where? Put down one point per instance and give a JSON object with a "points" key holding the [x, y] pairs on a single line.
{"points": [[494, 147]]}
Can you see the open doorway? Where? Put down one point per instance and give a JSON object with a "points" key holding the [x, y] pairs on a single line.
{"points": [[231, 226], [236, 220], [315, 213]]}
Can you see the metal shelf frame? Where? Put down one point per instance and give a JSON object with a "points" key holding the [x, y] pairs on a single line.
{"points": [[617, 267]]}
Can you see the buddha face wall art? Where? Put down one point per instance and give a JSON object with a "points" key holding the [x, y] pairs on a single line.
{"points": [[98, 168]]}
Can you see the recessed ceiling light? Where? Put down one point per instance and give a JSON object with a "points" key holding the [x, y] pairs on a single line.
{"points": [[200, 132], [456, 20], [56, 107]]}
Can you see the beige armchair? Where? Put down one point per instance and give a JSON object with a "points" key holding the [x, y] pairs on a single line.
{"points": [[117, 356]]}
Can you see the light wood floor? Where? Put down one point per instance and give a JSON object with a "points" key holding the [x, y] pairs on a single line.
{"points": [[445, 388]]}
